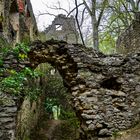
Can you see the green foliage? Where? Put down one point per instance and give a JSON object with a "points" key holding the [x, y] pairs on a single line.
{"points": [[33, 93], [31, 73], [55, 87], [4, 50], [70, 116], [17, 83], [1, 62], [21, 50], [107, 43], [116, 134], [49, 103], [13, 83], [58, 95]]}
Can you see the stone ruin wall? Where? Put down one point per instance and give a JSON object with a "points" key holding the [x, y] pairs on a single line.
{"points": [[63, 28], [8, 114], [12, 110], [16, 24], [129, 40], [18, 115], [105, 89], [17, 123]]}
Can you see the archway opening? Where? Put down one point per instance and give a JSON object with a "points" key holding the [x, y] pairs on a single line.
{"points": [[56, 117], [57, 111]]}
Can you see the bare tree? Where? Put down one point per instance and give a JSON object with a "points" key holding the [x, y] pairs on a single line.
{"points": [[96, 11], [77, 21]]}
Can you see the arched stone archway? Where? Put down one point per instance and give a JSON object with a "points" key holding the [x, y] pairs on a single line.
{"points": [[105, 89]]}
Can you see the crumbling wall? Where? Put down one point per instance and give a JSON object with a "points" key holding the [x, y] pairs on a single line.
{"points": [[17, 119], [14, 18], [8, 114], [63, 28], [129, 40], [30, 20], [18, 114], [105, 88]]}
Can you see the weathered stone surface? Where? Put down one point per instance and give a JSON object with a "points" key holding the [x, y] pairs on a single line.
{"points": [[8, 113], [104, 88], [63, 28], [15, 24]]}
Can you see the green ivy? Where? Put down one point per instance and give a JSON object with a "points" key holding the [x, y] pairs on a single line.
{"points": [[49, 103], [1, 62], [21, 47], [21, 50], [13, 83], [17, 83]]}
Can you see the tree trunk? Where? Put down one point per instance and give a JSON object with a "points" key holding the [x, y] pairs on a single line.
{"points": [[95, 34]]}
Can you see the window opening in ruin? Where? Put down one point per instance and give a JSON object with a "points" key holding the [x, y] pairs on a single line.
{"points": [[14, 7], [111, 84], [58, 27]]}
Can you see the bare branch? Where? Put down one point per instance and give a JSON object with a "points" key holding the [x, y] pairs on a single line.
{"points": [[76, 16], [74, 9], [46, 13], [87, 7], [102, 11], [56, 8], [82, 20]]}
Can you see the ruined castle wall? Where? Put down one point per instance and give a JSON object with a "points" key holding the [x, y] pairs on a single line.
{"points": [[8, 114], [67, 32], [18, 115], [13, 18], [17, 121], [105, 89]]}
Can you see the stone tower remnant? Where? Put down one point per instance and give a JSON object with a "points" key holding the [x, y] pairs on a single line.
{"points": [[63, 28], [17, 20]]}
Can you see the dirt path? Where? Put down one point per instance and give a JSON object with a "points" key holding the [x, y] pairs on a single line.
{"points": [[47, 130]]}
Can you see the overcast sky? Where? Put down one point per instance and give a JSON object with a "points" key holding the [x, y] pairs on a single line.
{"points": [[40, 7]]}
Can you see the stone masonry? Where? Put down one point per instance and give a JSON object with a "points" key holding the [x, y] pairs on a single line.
{"points": [[8, 114], [105, 88], [18, 115], [63, 28], [17, 20]]}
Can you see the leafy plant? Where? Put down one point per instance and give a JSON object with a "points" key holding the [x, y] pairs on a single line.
{"points": [[13, 83], [1, 62], [17, 83], [49, 103], [21, 50]]}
